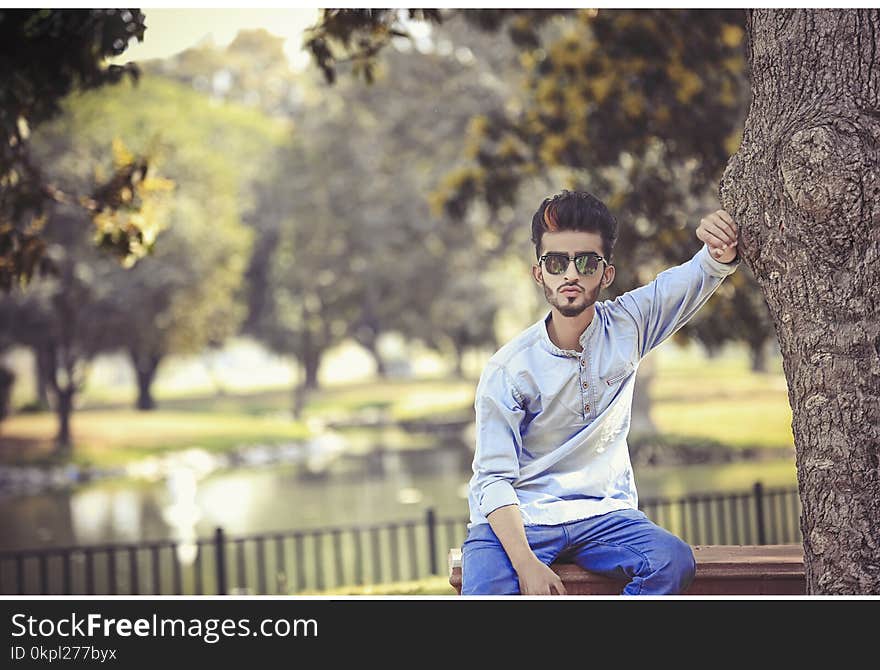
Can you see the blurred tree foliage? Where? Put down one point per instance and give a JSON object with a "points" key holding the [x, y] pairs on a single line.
{"points": [[53, 52], [352, 248], [187, 294], [641, 106]]}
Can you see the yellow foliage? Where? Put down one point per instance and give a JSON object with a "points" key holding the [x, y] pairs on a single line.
{"points": [[633, 103], [601, 86], [689, 83], [726, 95], [121, 155], [732, 142], [552, 148], [732, 35]]}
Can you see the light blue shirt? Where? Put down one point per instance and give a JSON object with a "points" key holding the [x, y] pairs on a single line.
{"points": [[552, 423]]}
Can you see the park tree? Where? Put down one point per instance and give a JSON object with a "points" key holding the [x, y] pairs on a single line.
{"points": [[66, 319], [187, 294], [805, 188], [53, 53]]}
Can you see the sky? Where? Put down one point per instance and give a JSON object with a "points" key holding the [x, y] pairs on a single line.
{"points": [[170, 31]]}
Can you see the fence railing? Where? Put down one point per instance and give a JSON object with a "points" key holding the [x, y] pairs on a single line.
{"points": [[300, 561]]}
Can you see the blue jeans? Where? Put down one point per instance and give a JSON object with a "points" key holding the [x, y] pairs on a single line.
{"points": [[623, 544]]}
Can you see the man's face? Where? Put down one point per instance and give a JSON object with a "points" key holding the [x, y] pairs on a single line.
{"points": [[571, 292]]}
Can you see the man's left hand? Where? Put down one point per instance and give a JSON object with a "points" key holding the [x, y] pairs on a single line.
{"points": [[719, 232]]}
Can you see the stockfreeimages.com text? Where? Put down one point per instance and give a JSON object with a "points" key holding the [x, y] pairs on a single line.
{"points": [[209, 630]]}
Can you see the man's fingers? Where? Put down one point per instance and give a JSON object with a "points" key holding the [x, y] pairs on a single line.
{"points": [[726, 217], [724, 232], [724, 220], [560, 588], [711, 239], [720, 230]]}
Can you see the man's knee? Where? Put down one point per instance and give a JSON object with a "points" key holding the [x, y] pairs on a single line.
{"points": [[678, 563], [484, 573]]}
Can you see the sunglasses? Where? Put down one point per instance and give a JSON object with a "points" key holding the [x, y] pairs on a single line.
{"points": [[586, 264]]}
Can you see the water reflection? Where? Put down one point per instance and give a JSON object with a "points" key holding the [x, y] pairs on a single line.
{"points": [[181, 513]]}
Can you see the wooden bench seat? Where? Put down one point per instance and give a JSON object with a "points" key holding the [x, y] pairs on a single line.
{"points": [[776, 569]]}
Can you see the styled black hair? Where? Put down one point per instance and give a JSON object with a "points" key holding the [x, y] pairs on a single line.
{"points": [[575, 210]]}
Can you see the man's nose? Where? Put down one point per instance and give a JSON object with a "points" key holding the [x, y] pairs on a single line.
{"points": [[571, 272]]}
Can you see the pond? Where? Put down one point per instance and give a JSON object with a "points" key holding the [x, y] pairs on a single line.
{"points": [[184, 502]]}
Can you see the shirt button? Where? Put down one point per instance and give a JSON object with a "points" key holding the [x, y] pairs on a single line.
{"points": [[587, 409], [586, 385]]}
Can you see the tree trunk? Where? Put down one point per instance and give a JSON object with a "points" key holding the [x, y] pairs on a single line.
{"points": [[758, 355], [311, 363], [805, 189], [459, 360], [371, 344], [63, 443], [641, 422], [145, 368], [41, 372], [7, 381]]}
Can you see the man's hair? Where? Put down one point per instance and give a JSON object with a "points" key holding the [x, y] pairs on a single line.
{"points": [[575, 210]]}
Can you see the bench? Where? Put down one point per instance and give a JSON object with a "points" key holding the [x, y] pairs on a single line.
{"points": [[775, 569]]}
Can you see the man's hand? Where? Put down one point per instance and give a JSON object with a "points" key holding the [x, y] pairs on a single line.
{"points": [[719, 231], [537, 579]]}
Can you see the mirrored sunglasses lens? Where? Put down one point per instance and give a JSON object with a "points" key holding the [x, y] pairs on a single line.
{"points": [[587, 264], [555, 264]]}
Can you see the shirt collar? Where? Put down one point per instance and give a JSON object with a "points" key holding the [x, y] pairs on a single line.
{"points": [[547, 343]]}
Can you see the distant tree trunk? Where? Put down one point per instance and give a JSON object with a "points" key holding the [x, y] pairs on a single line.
{"points": [[641, 422], [310, 353], [299, 396], [758, 354], [145, 367], [64, 409], [311, 363], [805, 189], [7, 381], [459, 359], [41, 376], [371, 344]]}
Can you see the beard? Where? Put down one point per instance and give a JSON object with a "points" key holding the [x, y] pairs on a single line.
{"points": [[572, 305]]}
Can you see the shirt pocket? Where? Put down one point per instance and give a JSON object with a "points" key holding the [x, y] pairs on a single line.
{"points": [[617, 375]]}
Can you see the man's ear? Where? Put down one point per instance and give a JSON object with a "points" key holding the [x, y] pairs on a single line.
{"points": [[608, 275], [537, 275]]}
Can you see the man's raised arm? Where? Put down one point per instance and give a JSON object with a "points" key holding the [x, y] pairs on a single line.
{"points": [[664, 305]]}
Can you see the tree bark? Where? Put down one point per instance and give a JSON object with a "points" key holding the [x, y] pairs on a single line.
{"points": [[805, 189]]}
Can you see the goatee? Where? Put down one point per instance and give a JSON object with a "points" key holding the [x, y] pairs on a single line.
{"points": [[567, 308]]}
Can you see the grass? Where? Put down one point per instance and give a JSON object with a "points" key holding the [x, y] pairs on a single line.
{"points": [[718, 400], [114, 437]]}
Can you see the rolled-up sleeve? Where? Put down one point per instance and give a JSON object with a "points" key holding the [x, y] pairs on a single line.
{"points": [[499, 414], [664, 305]]}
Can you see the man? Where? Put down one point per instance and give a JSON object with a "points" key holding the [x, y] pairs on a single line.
{"points": [[552, 475]]}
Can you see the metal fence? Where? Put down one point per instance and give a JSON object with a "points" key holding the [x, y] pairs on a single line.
{"points": [[301, 561]]}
